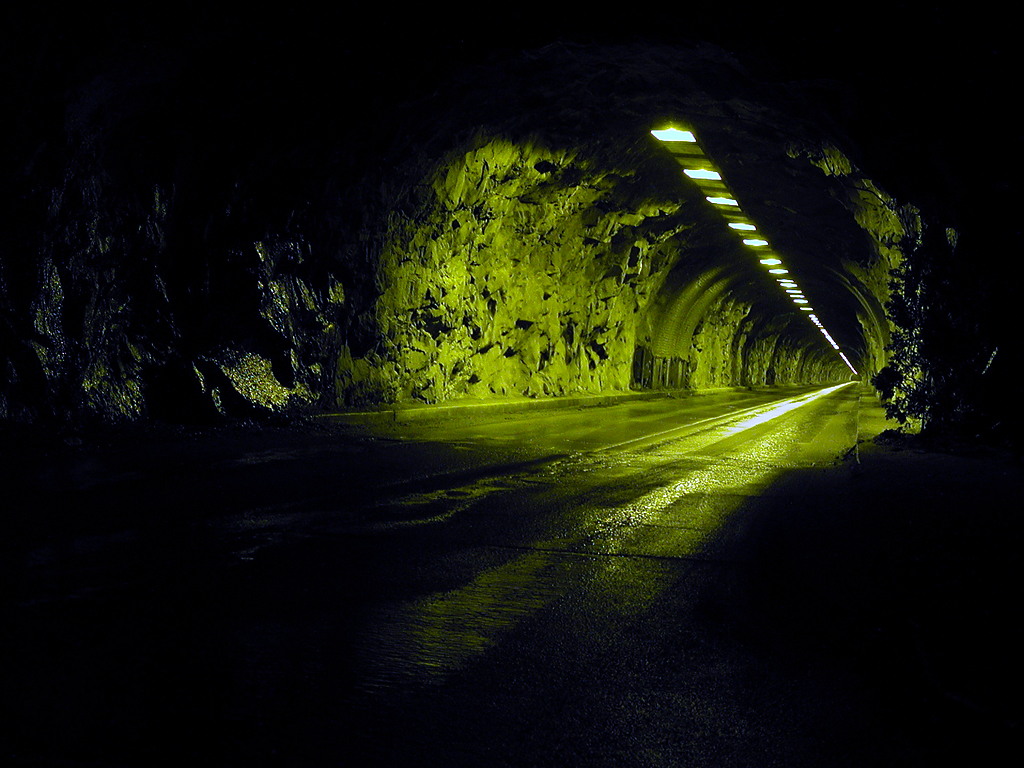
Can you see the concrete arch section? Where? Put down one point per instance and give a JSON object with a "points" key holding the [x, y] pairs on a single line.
{"points": [[720, 329]]}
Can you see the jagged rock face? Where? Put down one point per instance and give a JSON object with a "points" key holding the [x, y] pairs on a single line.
{"points": [[156, 284], [529, 271], [524, 236], [524, 272]]}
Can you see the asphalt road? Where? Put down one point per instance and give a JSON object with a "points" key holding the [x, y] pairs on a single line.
{"points": [[562, 588]]}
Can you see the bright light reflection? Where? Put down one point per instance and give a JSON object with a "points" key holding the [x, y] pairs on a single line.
{"points": [[740, 225], [702, 174], [674, 134], [722, 201], [784, 407], [771, 261], [799, 301], [779, 271], [755, 242]]}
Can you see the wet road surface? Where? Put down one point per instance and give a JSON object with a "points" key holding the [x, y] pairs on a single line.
{"points": [[569, 589]]}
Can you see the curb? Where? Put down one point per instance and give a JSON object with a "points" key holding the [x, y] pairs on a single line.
{"points": [[424, 412], [412, 413]]}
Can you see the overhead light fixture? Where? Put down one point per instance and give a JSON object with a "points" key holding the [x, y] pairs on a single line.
{"points": [[702, 173], [696, 156], [674, 134], [849, 365]]}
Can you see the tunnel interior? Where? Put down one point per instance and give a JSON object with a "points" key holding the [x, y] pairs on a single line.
{"points": [[542, 253], [516, 231]]}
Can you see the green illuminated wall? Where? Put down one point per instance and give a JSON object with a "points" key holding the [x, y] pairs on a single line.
{"points": [[517, 269], [523, 271]]}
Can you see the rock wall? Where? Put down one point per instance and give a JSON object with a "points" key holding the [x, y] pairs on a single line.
{"points": [[523, 271], [144, 272], [517, 269], [893, 230]]}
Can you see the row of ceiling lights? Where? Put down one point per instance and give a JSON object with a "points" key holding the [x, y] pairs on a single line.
{"points": [[698, 167]]}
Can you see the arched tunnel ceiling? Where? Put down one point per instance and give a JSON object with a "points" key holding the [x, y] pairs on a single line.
{"points": [[807, 228], [805, 222], [768, 141]]}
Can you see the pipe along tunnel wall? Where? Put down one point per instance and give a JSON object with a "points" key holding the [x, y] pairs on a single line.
{"points": [[523, 235]]}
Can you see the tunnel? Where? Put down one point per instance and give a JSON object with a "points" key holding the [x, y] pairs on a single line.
{"points": [[522, 235], [546, 252], [407, 385]]}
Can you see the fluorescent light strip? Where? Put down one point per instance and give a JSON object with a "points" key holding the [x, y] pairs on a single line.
{"points": [[848, 364], [674, 134], [790, 286], [701, 173]]}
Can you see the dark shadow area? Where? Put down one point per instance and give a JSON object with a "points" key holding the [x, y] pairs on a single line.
{"points": [[856, 615], [901, 572]]}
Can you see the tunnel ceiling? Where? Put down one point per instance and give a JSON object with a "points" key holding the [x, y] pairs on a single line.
{"points": [[778, 152]]}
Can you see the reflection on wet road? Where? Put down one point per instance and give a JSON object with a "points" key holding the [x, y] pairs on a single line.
{"points": [[657, 496], [481, 593]]}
